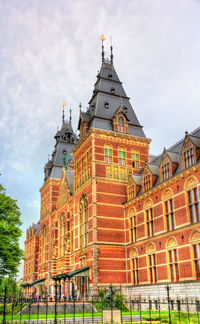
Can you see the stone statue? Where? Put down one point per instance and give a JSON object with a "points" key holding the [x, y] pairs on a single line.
{"points": [[109, 297]]}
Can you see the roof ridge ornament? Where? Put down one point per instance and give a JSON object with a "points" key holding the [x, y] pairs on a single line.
{"points": [[102, 52], [64, 104], [111, 52]]}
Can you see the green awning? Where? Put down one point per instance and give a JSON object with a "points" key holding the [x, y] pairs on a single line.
{"points": [[83, 272], [26, 284], [39, 281]]}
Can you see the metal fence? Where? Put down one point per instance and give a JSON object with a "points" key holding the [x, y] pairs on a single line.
{"points": [[91, 310]]}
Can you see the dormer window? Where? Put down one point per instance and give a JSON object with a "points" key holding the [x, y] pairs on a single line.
{"points": [[106, 105], [110, 77], [189, 158], [165, 171], [147, 182], [112, 90], [120, 124]]}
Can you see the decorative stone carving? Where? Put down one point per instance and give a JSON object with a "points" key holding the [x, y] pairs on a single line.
{"points": [[168, 193], [195, 236], [148, 203], [133, 252], [64, 192], [150, 247], [171, 242], [192, 181]]}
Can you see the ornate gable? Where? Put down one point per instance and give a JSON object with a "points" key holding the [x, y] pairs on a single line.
{"points": [[64, 192]]}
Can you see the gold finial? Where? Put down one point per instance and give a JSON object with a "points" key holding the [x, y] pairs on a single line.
{"points": [[102, 37], [64, 104]]}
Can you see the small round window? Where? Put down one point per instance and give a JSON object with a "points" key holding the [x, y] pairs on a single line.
{"points": [[112, 90], [106, 105], [110, 77]]}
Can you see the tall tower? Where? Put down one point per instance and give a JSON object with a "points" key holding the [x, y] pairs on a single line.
{"points": [[112, 145], [61, 158]]}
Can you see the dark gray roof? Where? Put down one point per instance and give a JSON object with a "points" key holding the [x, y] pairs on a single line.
{"points": [[66, 140], [175, 155], [98, 113], [137, 178]]}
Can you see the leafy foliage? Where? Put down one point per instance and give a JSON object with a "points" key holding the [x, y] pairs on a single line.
{"points": [[10, 232]]}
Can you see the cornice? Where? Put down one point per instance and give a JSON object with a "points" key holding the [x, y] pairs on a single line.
{"points": [[49, 181], [106, 133]]}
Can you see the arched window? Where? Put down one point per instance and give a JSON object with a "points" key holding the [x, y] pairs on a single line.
{"points": [[44, 244], [134, 266], [83, 221], [151, 262], [63, 235], [120, 123], [172, 259]]}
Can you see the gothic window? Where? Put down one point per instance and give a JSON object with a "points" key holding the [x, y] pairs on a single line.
{"points": [[193, 205], [165, 171], [147, 182], [169, 214], [152, 268], [188, 157], [149, 222], [173, 264], [135, 159], [83, 221], [122, 156], [44, 244], [63, 233], [196, 259], [133, 226], [108, 154], [120, 123], [135, 271]]}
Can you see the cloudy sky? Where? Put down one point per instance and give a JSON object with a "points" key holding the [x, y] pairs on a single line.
{"points": [[50, 52]]}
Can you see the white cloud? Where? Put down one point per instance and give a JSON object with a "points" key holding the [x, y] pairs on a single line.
{"points": [[50, 52]]}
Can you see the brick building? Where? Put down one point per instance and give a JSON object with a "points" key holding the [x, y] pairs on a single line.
{"points": [[111, 212]]}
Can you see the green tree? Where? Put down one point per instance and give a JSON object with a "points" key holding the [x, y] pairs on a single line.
{"points": [[10, 232]]}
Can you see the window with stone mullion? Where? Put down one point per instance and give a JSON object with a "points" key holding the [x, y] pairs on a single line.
{"points": [[135, 271], [196, 252], [149, 222], [173, 264], [193, 205], [189, 158], [169, 210], [152, 268]]}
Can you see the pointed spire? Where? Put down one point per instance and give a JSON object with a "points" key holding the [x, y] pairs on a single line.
{"points": [[111, 52], [80, 106], [70, 116], [102, 52], [64, 104]]}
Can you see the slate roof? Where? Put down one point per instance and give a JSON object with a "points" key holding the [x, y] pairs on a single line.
{"points": [[97, 115], [174, 153], [70, 180], [66, 140]]}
